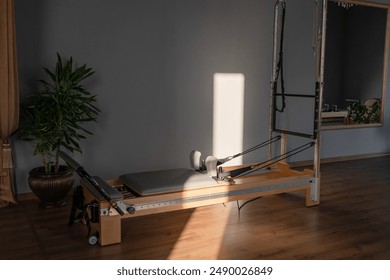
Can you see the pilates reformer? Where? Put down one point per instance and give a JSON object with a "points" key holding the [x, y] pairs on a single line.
{"points": [[104, 204]]}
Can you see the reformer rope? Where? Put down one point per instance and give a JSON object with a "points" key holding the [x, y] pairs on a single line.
{"points": [[254, 148], [261, 145], [252, 168], [284, 156]]}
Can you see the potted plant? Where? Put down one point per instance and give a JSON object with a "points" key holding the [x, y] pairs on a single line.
{"points": [[53, 120]]}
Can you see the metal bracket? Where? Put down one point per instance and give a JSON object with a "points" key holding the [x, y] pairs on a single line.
{"points": [[123, 206], [104, 211]]}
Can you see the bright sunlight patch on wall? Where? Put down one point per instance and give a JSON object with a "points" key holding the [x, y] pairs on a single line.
{"points": [[228, 122], [228, 130]]}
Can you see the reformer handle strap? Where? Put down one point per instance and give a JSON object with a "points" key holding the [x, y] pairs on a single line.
{"points": [[279, 67], [77, 203], [87, 220]]}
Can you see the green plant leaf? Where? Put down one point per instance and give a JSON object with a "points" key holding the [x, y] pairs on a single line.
{"points": [[55, 115]]}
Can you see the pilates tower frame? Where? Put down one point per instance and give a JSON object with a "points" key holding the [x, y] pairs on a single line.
{"points": [[319, 40]]}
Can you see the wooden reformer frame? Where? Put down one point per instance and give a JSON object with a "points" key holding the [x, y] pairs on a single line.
{"points": [[278, 178]]}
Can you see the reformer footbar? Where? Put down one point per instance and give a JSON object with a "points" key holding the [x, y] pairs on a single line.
{"points": [[93, 181]]}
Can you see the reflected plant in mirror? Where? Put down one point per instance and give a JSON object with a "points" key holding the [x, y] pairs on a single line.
{"points": [[356, 59], [359, 113]]}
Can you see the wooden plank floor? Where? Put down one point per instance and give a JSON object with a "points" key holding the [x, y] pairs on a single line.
{"points": [[352, 222]]}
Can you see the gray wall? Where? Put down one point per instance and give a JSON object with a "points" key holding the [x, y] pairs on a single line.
{"points": [[154, 63]]}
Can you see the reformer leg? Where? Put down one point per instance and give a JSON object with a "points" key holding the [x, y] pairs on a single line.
{"points": [[313, 193], [93, 239], [109, 230], [106, 229]]}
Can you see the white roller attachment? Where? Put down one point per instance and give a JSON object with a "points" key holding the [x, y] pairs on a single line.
{"points": [[195, 160], [211, 165]]}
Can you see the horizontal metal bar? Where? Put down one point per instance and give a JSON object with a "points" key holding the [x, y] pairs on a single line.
{"points": [[296, 95], [305, 135]]}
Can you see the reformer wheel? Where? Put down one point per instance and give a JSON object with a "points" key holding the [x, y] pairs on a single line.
{"points": [[92, 240]]}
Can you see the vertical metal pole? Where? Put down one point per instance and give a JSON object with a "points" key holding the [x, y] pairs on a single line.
{"points": [[283, 146], [320, 78], [274, 73]]}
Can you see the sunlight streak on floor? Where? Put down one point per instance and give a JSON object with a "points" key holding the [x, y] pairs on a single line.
{"points": [[228, 129]]}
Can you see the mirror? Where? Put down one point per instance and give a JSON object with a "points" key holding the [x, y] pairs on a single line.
{"points": [[355, 70]]}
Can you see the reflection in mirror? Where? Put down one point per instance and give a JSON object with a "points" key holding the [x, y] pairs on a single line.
{"points": [[355, 64]]}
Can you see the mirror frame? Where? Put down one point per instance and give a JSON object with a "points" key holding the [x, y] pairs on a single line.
{"points": [[385, 66]]}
